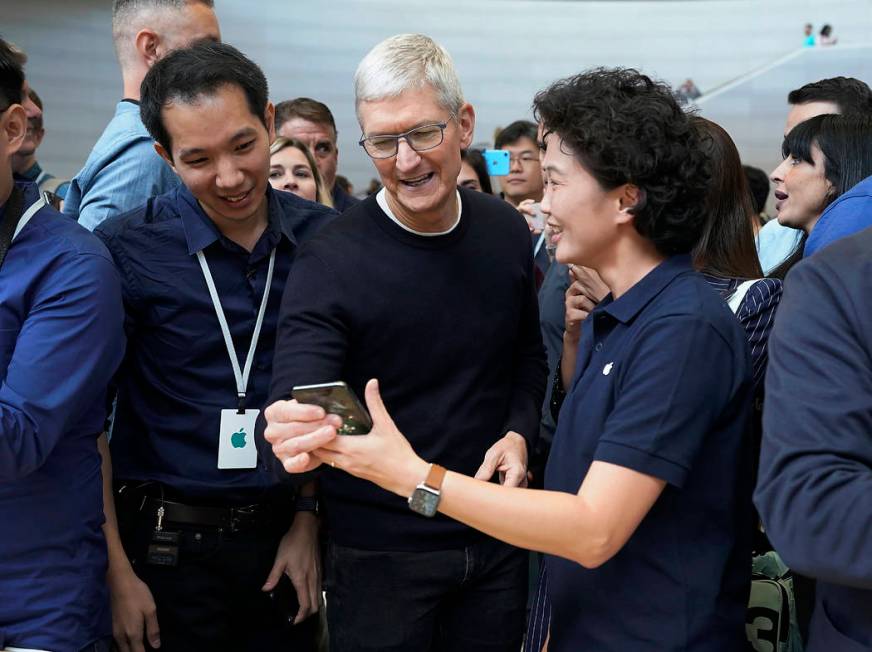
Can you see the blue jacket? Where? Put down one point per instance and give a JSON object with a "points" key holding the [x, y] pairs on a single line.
{"points": [[814, 491], [850, 213]]}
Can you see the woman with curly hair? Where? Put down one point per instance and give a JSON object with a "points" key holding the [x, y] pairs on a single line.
{"points": [[645, 515]]}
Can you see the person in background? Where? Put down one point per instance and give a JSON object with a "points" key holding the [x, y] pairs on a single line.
{"points": [[524, 181], [311, 122], [758, 184], [825, 157], [292, 168], [24, 163], [473, 172], [61, 340], [843, 95], [808, 36], [123, 170], [345, 184], [813, 491], [725, 253], [826, 36]]}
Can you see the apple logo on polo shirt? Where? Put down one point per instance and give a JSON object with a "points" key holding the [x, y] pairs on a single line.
{"points": [[608, 368], [237, 439]]}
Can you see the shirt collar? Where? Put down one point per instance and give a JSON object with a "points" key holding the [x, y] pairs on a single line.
{"points": [[631, 303], [200, 231]]}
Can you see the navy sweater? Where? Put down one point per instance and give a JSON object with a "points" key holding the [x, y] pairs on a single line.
{"points": [[448, 324]]}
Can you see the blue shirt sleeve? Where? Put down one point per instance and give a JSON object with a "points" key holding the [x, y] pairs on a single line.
{"points": [[814, 489], [667, 398], [127, 182], [66, 352]]}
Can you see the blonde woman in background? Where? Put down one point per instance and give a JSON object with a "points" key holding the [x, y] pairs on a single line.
{"points": [[292, 168]]}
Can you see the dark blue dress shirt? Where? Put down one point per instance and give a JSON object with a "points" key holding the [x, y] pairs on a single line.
{"points": [[663, 387], [177, 376], [61, 340], [814, 490]]}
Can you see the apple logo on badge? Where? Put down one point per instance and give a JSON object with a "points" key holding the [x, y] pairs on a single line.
{"points": [[237, 439]]}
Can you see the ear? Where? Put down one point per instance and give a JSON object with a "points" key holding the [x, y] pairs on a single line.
{"points": [[165, 155], [466, 122], [13, 128], [628, 197], [147, 44], [270, 119]]}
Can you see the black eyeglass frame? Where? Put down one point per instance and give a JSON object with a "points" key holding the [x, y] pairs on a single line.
{"points": [[397, 137]]}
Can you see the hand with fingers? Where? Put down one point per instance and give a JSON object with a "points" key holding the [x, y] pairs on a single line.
{"points": [[589, 282], [299, 558], [134, 615], [508, 456], [529, 208], [384, 456], [578, 306], [295, 429]]}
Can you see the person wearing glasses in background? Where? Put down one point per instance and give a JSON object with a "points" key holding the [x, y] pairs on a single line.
{"points": [[429, 287]]}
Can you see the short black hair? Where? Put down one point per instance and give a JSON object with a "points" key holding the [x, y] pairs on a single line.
{"points": [[758, 183], [845, 142], [514, 132], [623, 127], [851, 95], [187, 74], [11, 76]]}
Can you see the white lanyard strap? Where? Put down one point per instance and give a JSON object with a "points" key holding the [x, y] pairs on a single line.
{"points": [[30, 212], [241, 376], [539, 244]]}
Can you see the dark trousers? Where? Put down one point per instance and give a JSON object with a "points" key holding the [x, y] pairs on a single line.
{"points": [[103, 645], [212, 600], [449, 600]]}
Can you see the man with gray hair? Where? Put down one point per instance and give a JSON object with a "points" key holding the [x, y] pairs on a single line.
{"points": [[123, 170], [430, 289]]}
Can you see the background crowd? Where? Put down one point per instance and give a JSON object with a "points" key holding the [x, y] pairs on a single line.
{"points": [[604, 356]]}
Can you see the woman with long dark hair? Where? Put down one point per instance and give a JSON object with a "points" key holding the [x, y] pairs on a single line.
{"points": [[824, 157], [725, 253]]}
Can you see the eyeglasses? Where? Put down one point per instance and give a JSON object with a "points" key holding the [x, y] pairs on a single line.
{"points": [[419, 139], [524, 159]]}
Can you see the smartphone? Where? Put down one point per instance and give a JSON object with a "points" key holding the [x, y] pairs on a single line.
{"points": [[496, 161], [538, 220], [284, 602], [337, 398]]}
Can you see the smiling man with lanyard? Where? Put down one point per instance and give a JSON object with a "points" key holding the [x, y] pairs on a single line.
{"points": [[61, 339], [208, 535]]}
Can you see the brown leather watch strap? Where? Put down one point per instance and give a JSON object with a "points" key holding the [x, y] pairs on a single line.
{"points": [[435, 477]]}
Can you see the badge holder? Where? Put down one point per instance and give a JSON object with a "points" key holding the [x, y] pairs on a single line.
{"points": [[164, 547]]}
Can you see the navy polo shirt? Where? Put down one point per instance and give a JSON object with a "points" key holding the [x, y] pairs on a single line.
{"points": [[663, 387], [177, 376], [61, 339]]}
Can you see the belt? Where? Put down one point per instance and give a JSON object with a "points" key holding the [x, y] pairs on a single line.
{"points": [[231, 518]]}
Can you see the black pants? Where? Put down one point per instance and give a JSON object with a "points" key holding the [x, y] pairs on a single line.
{"points": [[212, 600], [449, 600]]}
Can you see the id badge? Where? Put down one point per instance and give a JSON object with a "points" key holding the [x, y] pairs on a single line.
{"points": [[236, 449]]}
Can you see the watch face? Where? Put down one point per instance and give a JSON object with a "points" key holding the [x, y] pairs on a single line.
{"points": [[424, 501]]}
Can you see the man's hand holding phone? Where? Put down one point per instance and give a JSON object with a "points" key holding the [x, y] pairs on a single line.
{"points": [[295, 430]]}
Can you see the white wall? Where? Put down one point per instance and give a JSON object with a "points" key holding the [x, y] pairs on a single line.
{"points": [[505, 50]]}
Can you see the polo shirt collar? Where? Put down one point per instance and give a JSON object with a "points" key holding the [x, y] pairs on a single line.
{"points": [[200, 231], [631, 303]]}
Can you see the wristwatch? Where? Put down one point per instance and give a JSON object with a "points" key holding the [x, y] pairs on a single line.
{"points": [[307, 504], [425, 499]]}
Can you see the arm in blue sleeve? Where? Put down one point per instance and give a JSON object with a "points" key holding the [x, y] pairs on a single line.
{"points": [[757, 316], [814, 489], [132, 178], [67, 351]]}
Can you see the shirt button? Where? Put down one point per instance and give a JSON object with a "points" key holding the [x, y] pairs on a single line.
{"points": [[598, 347]]}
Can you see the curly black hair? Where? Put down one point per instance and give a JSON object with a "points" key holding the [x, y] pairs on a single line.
{"points": [[624, 127]]}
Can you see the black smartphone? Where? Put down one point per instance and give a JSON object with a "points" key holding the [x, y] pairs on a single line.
{"points": [[337, 398], [284, 601]]}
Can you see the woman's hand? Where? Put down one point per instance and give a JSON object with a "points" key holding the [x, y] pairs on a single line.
{"points": [[384, 456]]}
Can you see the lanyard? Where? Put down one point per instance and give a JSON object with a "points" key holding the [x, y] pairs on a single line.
{"points": [[241, 376], [539, 244], [14, 221]]}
